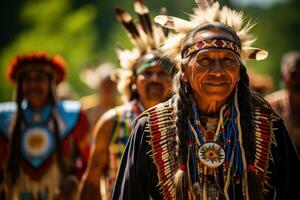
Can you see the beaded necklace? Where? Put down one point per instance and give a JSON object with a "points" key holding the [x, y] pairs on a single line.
{"points": [[218, 156]]}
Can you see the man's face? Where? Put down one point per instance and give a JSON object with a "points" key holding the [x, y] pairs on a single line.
{"points": [[212, 73], [35, 87], [153, 85]]}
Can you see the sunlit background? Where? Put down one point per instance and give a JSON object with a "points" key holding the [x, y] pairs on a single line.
{"points": [[85, 32]]}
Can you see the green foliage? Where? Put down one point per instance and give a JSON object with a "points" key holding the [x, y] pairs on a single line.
{"points": [[53, 27], [85, 32], [277, 31]]}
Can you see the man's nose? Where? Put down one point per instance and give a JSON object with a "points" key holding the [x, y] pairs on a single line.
{"points": [[217, 69]]}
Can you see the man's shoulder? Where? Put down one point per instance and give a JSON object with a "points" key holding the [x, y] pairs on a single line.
{"points": [[108, 116], [259, 101], [166, 106], [263, 105], [155, 112]]}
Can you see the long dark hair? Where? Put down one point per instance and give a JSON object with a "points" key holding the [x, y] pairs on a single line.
{"points": [[183, 108], [14, 156]]}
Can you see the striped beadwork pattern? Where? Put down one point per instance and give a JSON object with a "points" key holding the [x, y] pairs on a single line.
{"points": [[161, 126], [215, 43], [162, 138], [263, 122]]}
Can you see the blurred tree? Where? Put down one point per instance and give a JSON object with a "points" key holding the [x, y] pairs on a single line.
{"points": [[278, 30], [85, 32], [54, 27], [9, 21]]}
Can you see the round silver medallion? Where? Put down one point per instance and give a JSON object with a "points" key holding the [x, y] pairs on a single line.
{"points": [[211, 155]]}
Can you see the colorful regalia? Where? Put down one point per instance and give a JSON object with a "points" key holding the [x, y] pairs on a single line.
{"points": [[40, 175], [131, 78], [177, 152], [42, 162], [125, 114], [151, 148]]}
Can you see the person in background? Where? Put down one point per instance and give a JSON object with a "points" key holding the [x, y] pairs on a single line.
{"points": [[43, 141], [144, 80], [105, 96], [286, 103]]}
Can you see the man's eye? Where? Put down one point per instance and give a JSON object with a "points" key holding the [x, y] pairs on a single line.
{"points": [[204, 61], [229, 61], [163, 74], [147, 74]]}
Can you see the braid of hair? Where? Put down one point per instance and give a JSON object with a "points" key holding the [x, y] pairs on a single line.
{"points": [[245, 107], [181, 180], [14, 156], [58, 150]]}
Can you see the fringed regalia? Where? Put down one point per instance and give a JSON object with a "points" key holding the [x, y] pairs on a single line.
{"points": [[40, 174], [125, 114], [153, 161]]}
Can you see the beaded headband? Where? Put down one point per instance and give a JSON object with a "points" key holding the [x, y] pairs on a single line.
{"points": [[214, 43], [150, 62]]}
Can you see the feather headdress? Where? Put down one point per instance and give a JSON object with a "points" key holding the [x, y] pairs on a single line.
{"points": [[209, 11], [146, 38]]}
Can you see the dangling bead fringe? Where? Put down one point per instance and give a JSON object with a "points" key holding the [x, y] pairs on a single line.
{"points": [[245, 179]]}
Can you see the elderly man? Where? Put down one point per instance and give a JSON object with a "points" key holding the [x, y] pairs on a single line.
{"points": [[144, 80], [214, 139], [42, 140]]}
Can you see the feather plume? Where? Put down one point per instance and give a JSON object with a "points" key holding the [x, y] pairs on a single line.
{"points": [[146, 37], [143, 13], [209, 12], [164, 11], [179, 25], [119, 49], [127, 21], [254, 53]]}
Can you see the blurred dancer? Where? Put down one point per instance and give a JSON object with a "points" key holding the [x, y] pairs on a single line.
{"points": [[144, 80], [42, 141], [105, 97]]}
